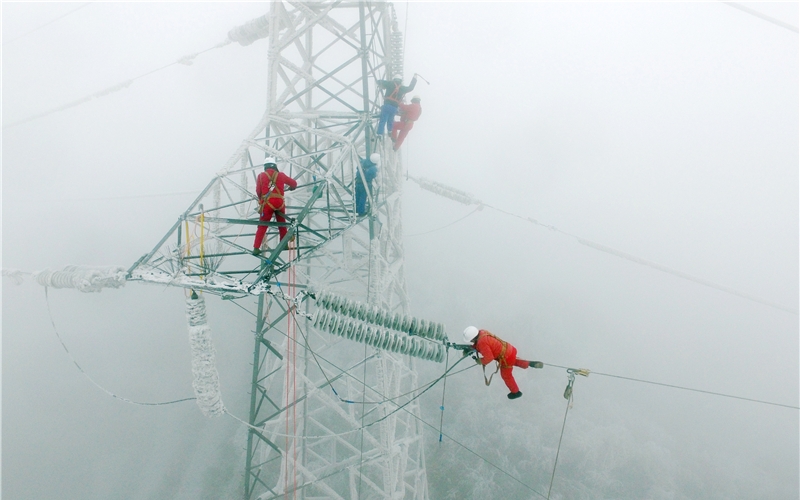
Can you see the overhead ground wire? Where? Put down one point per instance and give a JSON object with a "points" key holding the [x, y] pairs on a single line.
{"points": [[187, 59], [62, 16]]}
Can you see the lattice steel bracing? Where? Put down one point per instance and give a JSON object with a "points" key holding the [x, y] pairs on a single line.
{"points": [[304, 441]]}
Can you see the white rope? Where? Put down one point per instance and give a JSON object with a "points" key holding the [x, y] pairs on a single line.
{"points": [[204, 365]]}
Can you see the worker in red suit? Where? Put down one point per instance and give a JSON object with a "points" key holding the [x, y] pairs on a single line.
{"points": [[491, 348], [270, 185], [409, 113]]}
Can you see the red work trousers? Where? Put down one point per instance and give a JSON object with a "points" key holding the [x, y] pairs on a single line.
{"points": [[266, 216], [511, 362], [402, 128]]}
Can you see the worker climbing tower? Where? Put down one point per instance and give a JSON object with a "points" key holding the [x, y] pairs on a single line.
{"points": [[328, 417]]}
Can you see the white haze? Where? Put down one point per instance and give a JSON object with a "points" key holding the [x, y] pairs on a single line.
{"points": [[668, 131]]}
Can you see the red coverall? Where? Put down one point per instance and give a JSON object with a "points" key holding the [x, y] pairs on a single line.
{"points": [[491, 348], [270, 185], [409, 113]]}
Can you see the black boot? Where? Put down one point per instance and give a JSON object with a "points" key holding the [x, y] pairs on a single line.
{"points": [[514, 395]]}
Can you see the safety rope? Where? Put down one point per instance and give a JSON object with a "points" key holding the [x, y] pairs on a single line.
{"points": [[115, 396], [444, 389]]}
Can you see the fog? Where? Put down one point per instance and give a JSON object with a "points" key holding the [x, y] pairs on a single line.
{"points": [[668, 131]]}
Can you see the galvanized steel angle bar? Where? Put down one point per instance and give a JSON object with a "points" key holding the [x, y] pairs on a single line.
{"points": [[318, 84]]}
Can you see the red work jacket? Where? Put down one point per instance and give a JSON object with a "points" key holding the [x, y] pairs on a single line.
{"points": [[491, 348], [278, 181], [410, 112]]}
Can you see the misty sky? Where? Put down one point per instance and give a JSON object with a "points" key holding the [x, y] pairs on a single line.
{"points": [[665, 130]]}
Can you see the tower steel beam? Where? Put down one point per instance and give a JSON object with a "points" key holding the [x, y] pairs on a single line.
{"points": [[316, 430]]}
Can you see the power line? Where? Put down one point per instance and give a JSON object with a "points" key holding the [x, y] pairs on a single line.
{"points": [[139, 403], [467, 199], [762, 16], [187, 60], [46, 24], [702, 391]]}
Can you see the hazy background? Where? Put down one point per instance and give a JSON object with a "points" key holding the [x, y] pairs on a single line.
{"points": [[668, 131]]}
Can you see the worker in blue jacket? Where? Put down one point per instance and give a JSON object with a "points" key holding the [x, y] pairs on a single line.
{"points": [[370, 168], [393, 93]]}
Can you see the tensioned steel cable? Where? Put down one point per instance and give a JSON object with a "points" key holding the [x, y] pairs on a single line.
{"points": [[687, 388], [760, 15], [62, 16], [467, 199], [140, 403], [187, 59]]}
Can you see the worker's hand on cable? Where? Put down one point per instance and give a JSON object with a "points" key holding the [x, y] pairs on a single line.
{"points": [[477, 359]]}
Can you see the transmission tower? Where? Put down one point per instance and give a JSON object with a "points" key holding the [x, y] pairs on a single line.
{"points": [[323, 418]]}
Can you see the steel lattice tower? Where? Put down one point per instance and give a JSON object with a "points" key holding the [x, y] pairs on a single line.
{"points": [[313, 395]]}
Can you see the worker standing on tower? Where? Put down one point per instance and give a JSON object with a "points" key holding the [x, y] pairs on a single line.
{"points": [[393, 93], [492, 348], [369, 166], [409, 113], [270, 185]]}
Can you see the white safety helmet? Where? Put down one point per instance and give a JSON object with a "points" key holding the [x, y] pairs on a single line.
{"points": [[270, 161], [375, 158], [470, 333]]}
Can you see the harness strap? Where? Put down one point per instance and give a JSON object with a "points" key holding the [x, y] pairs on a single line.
{"points": [[394, 94], [488, 381], [272, 192], [501, 358]]}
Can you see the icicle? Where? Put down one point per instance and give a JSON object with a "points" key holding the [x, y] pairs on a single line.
{"points": [[204, 366]]}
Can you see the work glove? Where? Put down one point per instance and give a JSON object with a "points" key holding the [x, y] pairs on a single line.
{"points": [[477, 359]]}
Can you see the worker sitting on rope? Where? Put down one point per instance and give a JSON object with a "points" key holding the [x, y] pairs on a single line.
{"points": [[409, 113], [492, 348], [393, 93], [270, 185]]}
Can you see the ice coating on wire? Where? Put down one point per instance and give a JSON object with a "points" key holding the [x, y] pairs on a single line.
{"points": [[84, 278], [204, 365]]}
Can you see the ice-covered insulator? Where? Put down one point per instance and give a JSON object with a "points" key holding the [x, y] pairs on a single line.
{"points": [[422, 328], [362, 311], [347, 307], [412, 329], [375, 341], [406, 323], [334, 323], [338, 302], [349, 331], [440, 335], [321, 317], [406, 344]]}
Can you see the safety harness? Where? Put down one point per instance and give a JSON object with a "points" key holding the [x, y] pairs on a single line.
{"points": [[393, 97], [500, 359], [272, 192]]}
